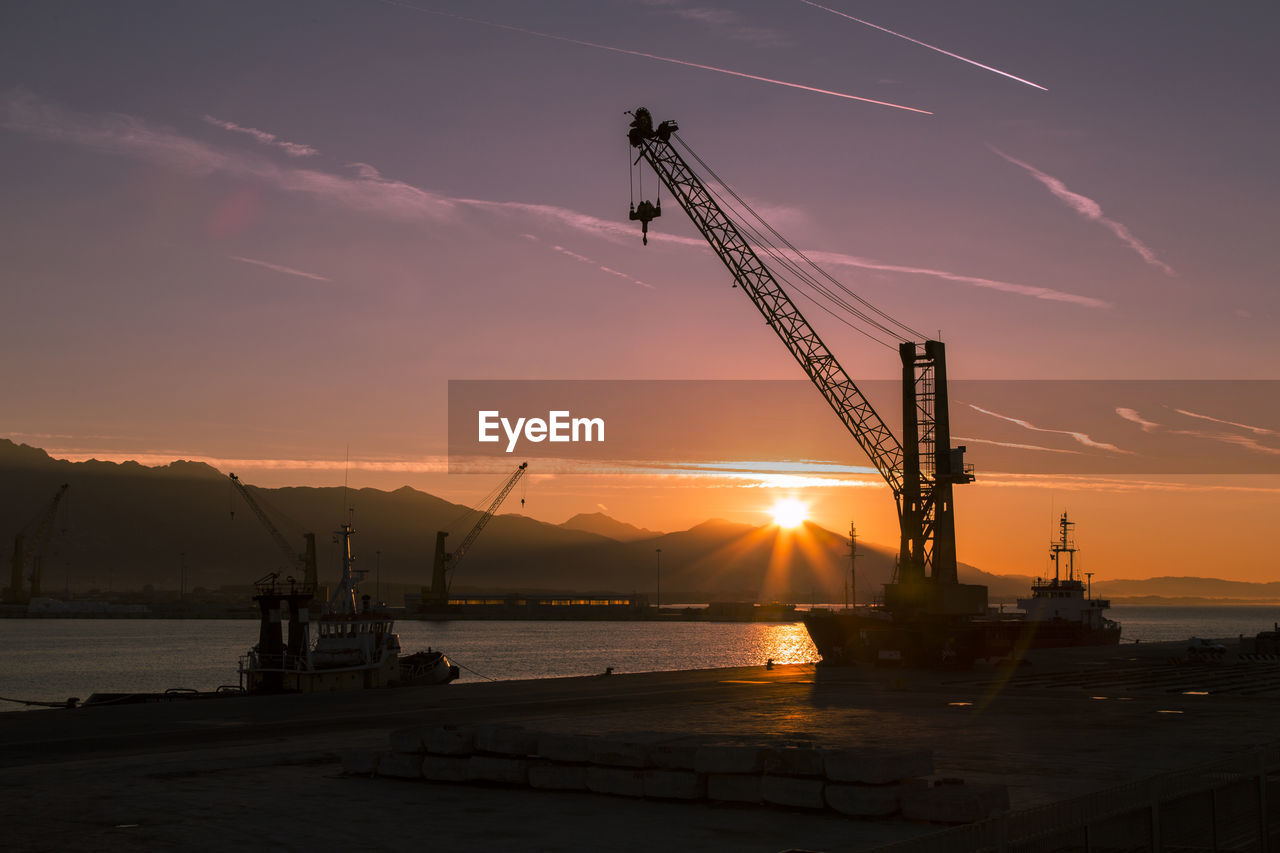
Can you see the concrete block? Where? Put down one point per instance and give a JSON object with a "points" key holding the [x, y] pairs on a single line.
{"points": [[864, 800], [674, 785], [572, 749], [551, 776], [873, 765], [446, 768], [793, 761], [734, 788], [506, 740], [729, 758], [492, 768], [673, 755], [622, 781], [360, 762], [613, 752], [410, 740], [451, 740], [954, 802], [400, 765], [793, 792]]}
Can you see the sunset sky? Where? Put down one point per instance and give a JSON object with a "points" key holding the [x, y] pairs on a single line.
{"points": [[267, 235]]}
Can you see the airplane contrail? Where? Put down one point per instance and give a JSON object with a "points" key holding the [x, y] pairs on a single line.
{"points": [[658, 58], [923, 44]]}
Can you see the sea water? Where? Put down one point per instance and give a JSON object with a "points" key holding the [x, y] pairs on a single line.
{"points": [[54, 659]]}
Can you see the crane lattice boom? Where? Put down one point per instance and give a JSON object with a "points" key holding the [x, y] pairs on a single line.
{"points": [[306, 561], [922, 468], [774, 303]]}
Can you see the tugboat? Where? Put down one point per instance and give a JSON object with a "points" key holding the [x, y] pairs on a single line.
{"points": [[1063, 612], [355, 647]]}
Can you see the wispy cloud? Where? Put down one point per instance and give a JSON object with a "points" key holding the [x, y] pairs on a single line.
{"points": [[727, 23], [1091, 210], [367, 191], [1032, 291], [279, 268], [1256, 430], [1233, 439], [128, 136], [1079, 437], [1133, 416], [617, 230], [293, 149], [583, 259], [1013, 445]]}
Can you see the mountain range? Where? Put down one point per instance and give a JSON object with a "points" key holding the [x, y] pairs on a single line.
{"points": [[128, 526]]}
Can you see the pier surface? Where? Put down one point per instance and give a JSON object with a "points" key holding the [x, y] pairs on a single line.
{"points": [[224, 773]]}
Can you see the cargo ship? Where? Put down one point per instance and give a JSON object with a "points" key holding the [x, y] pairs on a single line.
{"points": [[1060, 612]]}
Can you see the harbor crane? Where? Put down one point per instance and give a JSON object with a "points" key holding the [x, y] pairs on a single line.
{"points": [[922, 468], [44, 526], [445, 563], [305, 561]]}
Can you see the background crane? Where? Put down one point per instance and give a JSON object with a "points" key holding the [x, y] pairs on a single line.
{"points": [[306, 560], [43, 526], [445, 563], [922, 468]]}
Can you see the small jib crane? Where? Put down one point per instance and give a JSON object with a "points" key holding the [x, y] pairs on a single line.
{"points": [[445, 563], [922, 468], [306, 561], [43, 525]]}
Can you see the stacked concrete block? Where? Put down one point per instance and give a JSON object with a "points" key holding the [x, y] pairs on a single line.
{"points": [[620, 781], [500, 769], [555, 776], [872, 765], [864, 800], [862, 782], [733, 771], [734, 788], [450, 740], [566, 749], [410, 740], [510, 741], [660, 784], [446, 768], [793, 777], [679, 754], [400, 765]]}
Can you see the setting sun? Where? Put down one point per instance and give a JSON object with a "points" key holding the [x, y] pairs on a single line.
{"points": [[789, 512]]}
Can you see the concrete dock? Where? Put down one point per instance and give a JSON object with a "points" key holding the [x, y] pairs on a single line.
{"points": [[224, 773]]}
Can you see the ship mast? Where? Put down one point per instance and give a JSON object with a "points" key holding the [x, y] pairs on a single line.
{"points": [[1064, 545]]}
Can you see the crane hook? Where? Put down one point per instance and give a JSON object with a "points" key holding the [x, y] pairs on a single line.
{"points": [[646, 212]]}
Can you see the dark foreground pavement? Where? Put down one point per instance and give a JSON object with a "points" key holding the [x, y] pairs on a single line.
{"points": [[263, 772]]}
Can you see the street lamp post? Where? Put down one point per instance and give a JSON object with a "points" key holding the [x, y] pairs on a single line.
{"points": [[377, 564], [658, 551]]}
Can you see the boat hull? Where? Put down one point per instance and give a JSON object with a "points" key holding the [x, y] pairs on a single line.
{"points": [[857, 637]]}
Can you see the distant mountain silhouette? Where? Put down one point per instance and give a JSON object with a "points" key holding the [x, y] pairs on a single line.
{"points": [[602, 525], [126, 525]]}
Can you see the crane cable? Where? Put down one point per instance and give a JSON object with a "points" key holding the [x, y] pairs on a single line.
{"points": [[804, 278], [912, 333], [777, 254]]}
